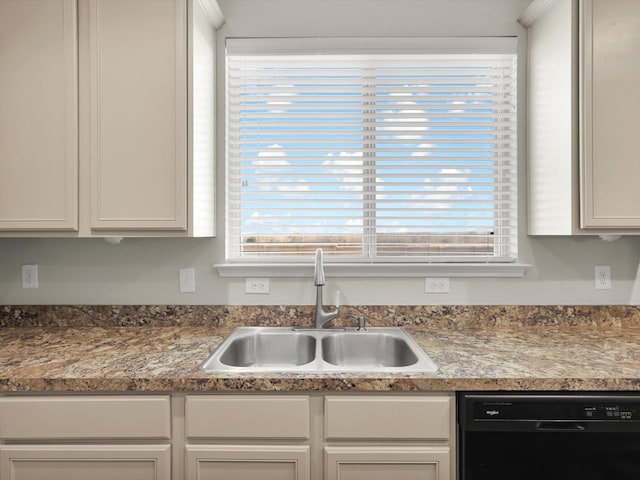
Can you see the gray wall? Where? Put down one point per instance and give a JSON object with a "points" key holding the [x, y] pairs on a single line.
{"points": [[145, 271]]}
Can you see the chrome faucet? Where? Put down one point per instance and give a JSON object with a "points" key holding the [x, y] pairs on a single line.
{"points": [[321, 317]]}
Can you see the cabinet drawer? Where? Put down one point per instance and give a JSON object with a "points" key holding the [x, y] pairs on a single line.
{"points": [[247, 416], [70, 417], [424, 418]]}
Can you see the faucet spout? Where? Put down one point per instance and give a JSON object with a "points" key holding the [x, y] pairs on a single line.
{"points": [[318, 272], [321, 318]]}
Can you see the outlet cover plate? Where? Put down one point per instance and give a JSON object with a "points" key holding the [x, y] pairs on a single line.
{"points": [[602, 275], [30, 276], [436, 285], [257, 285]]}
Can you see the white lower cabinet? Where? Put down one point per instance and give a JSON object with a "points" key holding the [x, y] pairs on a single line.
{"points": [[97, 437], [277, 436], [81, 462], [319, 437], [404, 437], [253, 436], [383, 463], [247, 462]]}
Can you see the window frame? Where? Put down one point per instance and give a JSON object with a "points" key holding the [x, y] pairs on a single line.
{"points": [[398, 267]]}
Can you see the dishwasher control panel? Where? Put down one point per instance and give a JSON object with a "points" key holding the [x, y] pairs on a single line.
{"points": [[611, 412], [570, 408]]}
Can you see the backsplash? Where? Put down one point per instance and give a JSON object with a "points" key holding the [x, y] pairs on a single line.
{"points": [[448, 316]]}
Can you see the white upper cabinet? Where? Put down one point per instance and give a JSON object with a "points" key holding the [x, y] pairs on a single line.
{"points": [[138, 114], [582, 98], [38, 115], [110, 118], [610, 35]]}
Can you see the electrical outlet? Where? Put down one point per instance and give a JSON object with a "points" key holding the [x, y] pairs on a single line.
{"points": [[256, 285], [603, 277], [30, 276], [436, 285], [187, 280]]}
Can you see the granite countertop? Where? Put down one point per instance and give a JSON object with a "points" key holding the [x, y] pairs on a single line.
{"points": [[584, 351]]}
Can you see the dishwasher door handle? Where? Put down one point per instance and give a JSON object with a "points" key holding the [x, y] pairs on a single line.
{"points": [[561, 427]]}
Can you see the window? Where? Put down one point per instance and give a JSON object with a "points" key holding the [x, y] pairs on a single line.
{"points": [[393, 150]]}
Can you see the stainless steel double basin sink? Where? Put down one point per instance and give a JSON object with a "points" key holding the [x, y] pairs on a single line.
{"points": [[281, 349]]}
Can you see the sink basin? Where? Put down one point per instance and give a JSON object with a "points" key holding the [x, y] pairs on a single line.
{"points": [[271, 349], [367, 350], [281, 349]]}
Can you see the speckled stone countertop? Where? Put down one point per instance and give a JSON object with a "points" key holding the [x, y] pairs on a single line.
{"points": [[159, 348]]}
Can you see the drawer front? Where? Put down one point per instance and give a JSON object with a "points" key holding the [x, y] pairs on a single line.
{"points": [[411, 418], [247, 416], [88, 417]]}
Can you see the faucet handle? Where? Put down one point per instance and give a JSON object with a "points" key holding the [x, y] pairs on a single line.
{"points": [[362, 323]]}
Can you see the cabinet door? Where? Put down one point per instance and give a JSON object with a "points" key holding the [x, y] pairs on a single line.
{"points": [[239, 462], [38, 115], [383, 463], [611, 101], [80, 462], [138, 124]]}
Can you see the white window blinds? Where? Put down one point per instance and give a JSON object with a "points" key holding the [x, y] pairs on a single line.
{"points": [[371, 156]]}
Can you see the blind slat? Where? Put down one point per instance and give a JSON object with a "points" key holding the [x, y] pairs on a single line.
{"points": [[372, 156]]}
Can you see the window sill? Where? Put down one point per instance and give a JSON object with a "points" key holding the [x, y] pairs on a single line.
{"points": [[356, 270]]}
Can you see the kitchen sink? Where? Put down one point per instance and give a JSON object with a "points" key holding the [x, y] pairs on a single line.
{"points": [[275, 349], [369, 350], [281, 349]]}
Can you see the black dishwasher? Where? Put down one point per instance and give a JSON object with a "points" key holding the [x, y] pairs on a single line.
{"points": [[548, 436]]}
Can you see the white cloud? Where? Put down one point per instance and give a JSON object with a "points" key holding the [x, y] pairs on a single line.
{"points": [[272, 156]]}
